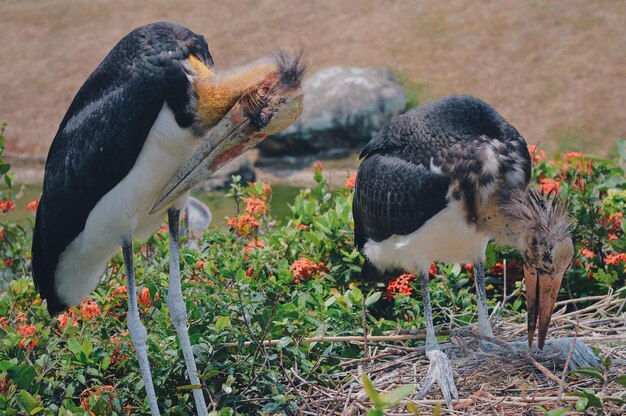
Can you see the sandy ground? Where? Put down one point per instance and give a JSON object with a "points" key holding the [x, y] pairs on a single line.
{"points": [[556, 70]]}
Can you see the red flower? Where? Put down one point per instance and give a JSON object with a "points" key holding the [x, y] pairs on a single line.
{"points": [[302, 227], [400, 285], [571, 155], [26, 330], [351, 181], [615, 259], [244, 225], [144, 297], [536, 153], [89, 309], [585, 252], [3, 321], [255, 206], [433, 269], [469, 266], [96, 392], [612, 237], [267, 189], [7, 205], [317, 166], [254, 244], [304, 267], [67, 318], [1, 233], [8, 262], [200, 264], [32, 205], [549, 185]]}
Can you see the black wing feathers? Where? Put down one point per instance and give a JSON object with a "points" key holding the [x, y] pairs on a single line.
{"points": [[103, 133]]}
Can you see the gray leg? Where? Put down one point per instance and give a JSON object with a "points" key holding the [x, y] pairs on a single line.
{"points": [[138, 334], [481, 297], [439, 368], [178, 311]]}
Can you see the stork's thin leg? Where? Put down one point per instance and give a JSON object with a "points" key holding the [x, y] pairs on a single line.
{"points": [[439, 368], [138, 334], [481, 298], [178, 311]]}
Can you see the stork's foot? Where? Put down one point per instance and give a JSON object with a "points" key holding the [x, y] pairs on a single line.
{"points": [[582, 355], [440, 370]]}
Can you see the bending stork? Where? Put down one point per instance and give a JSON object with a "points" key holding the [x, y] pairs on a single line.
{"points": [[150, 122], [438, 184]]}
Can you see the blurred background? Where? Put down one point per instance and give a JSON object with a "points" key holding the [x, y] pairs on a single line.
{"points": [[555, 70]]}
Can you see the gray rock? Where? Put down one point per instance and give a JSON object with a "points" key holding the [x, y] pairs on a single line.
{"points": [[343, 108]]}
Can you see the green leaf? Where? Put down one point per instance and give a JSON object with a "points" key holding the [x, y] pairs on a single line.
{"points": [[24, 375], [4, 168], [373, 298], [27, 401], [86, 347], [371, 392], [6, 365], [398, 394], [589, 371], [581, 404], [283, 342], [104, 364], [621, 380], [73, 345], [221, 323], [190, 387], [557, 412], [410, 406]]}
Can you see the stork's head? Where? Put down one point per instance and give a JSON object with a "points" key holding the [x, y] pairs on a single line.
{"points": [[547, 249], [237, 110]]}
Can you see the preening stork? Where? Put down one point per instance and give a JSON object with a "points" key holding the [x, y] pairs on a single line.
{"points": [[151, 121], [437, 184]]}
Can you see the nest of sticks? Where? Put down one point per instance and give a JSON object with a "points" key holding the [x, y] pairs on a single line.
{"points": [[506, 382]]}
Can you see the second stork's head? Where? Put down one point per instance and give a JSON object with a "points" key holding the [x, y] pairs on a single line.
{"points": [[546, 244], [235, 111]]}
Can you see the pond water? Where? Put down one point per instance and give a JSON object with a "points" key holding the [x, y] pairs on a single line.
{"points": [[221, 206]]}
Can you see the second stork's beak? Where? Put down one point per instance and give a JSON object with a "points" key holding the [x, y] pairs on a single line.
{"points": [[265, 108], [542, 291]]}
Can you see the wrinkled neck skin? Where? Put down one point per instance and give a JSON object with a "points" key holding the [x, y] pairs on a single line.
{"points": [[217, 93], [501, 228]]}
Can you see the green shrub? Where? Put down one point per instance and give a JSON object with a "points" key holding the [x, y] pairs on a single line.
{"points": [[262, 280]]}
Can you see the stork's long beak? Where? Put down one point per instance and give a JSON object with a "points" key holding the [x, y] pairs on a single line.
{"points": [[542, 291], [235, 133]]}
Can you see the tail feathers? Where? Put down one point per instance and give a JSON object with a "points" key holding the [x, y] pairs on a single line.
{"points": [[369, 273], [43, 275]]}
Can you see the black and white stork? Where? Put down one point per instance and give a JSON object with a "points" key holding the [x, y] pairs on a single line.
{"points": [[152, 120], [437, 184]]}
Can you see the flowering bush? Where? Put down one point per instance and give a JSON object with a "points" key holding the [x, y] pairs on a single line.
{"points": [[260, 278]]}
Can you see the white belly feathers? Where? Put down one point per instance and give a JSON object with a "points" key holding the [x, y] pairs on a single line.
{"points": [[446, 237], [123, 211]]}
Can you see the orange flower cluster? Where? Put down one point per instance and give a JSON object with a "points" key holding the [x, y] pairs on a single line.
{"points": [[302, 227], [536, 153], [200, 264], [89, 309], [548, 185], [67, 318], [585, 252], [32, 205], [351, 181], [571, 155], [400, 285], [7, 262], [27, 331], [244, 225], [615, 259], [96, 392], [317, 166], [267, 189], [144, 297], [255, 206], [3, 321], [253, 244], [304, 267], [7, 205]]}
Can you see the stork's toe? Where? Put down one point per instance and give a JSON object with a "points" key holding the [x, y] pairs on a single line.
{"points": [[582, 355], [440, 370]]}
